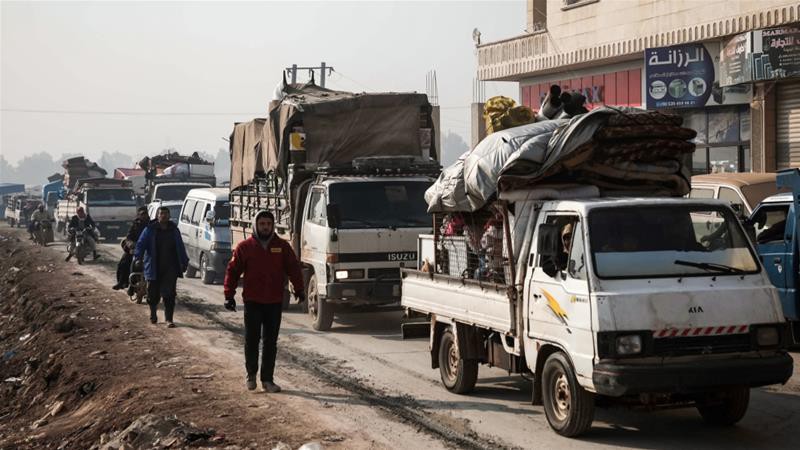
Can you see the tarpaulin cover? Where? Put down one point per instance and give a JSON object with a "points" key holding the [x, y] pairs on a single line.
{"points": [[245, 151], [338, 126], [618, 150]]}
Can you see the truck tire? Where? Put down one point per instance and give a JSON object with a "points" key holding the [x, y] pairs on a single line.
{"points": [[320, 311], [191, 272], [726, 408], [206, 276], [568, 407], [458, 375]]}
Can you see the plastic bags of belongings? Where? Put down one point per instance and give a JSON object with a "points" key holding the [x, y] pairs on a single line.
{"points": [[500, 113], [622, 150]]}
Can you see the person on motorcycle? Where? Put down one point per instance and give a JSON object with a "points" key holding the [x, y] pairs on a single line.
{"points": [[38, 216], [128, 246], [79, 222]]}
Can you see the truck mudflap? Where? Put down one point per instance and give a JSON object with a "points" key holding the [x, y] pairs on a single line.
{"points": [[364, 292], [617, 379]]}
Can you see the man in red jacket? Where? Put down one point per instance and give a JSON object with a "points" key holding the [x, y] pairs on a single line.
{"points": [[265, 260]]}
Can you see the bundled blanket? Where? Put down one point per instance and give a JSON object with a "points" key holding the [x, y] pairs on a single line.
{"points": [[618, 150]]}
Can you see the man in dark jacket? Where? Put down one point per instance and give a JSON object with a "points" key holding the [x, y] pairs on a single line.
{"points": [[265, 260], [128, 245], [80, 221], [165, 260]]}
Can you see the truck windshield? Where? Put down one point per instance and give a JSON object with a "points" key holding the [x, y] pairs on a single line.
{"points": [[668, 241], [110, 197], [222, 213], [173, 193], [381, 204]]}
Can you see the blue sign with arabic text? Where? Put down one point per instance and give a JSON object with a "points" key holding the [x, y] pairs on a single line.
{"points": [[681, 76]]}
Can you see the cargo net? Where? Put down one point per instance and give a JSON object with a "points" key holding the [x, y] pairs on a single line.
{"points": [[264, 193], [471, 246]]}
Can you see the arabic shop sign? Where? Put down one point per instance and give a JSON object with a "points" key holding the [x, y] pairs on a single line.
{"points": [[761, 55], [685, 76], [735, 60], [776, 53]]}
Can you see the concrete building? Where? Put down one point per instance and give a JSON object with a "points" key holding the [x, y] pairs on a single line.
{"points": [[671, 55]]}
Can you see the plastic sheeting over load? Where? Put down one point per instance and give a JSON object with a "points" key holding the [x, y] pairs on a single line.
{"points": [[617, 150]]}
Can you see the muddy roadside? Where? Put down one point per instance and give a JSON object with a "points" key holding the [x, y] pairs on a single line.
{"points": [[78, 365]]}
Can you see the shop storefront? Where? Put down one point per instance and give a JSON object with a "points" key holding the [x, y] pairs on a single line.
{"points": [[685, 79], [787, 124], [770, 58], [723, 138]]}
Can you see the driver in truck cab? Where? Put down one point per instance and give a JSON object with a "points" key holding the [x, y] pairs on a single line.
{"points": [[551, 265]]}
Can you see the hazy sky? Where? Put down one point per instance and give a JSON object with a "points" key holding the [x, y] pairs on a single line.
{"points": [[220, 62]]}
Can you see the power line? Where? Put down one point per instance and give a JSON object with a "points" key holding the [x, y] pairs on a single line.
{"points": [[127, 113]]}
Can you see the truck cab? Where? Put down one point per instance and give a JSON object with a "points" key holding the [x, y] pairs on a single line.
{"points": [[654, 301], [357, 232], [773, 227]]}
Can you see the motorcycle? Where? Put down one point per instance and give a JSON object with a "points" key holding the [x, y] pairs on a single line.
{"points": [[81, 245], [43, 232], [137, 285]]}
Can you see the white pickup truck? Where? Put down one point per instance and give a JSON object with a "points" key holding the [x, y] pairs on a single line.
{"points": [[660, 301]]}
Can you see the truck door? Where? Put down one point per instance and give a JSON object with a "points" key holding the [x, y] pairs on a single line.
{"points": [[315, 235], [559, 308], [774, 233]]}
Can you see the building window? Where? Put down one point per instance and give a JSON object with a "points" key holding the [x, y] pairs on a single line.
{"points": [[569, 4], [723, 139]]}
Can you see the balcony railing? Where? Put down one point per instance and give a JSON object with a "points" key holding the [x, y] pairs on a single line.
{"points": [[498, 58]]}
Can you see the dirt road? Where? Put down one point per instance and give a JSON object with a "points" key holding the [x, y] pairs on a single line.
{"points": [[364, 381]]}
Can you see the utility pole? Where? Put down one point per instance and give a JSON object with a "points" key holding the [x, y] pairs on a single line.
{"points": [[323, 71]]}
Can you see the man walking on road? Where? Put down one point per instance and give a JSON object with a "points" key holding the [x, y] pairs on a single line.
{"points": [[265, 260], [165, 260], [128, 245]]}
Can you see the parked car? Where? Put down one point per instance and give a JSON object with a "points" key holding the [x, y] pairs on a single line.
{"points": [[744, 191], [204, 226]]}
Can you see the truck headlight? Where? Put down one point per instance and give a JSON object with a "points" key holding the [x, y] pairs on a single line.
{"points": [[630, 344], [767, 337], [349, 274]]}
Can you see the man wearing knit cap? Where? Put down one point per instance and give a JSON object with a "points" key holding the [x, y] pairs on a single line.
{"points": [[265, 260]]}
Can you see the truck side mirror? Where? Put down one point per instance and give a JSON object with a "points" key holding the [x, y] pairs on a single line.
{"points": [[547, 243], [210, 216], [334, 217]]}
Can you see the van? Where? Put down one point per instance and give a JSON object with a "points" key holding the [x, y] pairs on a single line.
{"points": [[204, 227], [744, 191]]}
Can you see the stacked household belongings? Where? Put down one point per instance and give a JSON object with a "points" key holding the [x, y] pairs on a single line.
{"points": [[174, 164], [79, 168], [623, 151]]}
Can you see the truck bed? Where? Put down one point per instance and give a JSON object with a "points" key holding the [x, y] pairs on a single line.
{"points": [[467, 301]]}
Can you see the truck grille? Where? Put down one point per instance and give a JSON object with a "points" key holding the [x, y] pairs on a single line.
{"points": [[388, 273], [702, 345]]}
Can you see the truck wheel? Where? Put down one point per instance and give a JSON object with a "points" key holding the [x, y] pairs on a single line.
{"points": [[320, 311], [191, 272], [726, 408], [568, 407], [206, 276], [458, 375]]}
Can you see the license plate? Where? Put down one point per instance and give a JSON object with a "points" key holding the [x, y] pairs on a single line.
{"points": [[113, 227]]}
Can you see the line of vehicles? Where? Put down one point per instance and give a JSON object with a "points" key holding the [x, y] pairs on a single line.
{"points": [[693, 314]]}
